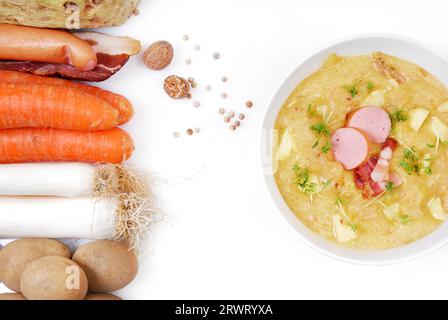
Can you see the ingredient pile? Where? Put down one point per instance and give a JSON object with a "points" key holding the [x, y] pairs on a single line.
{"points": [[62, 155]]}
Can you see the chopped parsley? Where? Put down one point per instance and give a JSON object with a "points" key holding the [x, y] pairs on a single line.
{"points": [[316, 143], [397, 116], [352, 90], [432, 146], [370, 86]]}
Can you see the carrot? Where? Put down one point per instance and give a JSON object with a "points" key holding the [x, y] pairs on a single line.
{"points": [[50, 145], [39, 106], [122, 104]]}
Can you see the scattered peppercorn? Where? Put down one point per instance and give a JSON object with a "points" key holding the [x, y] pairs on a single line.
{"points": [[196, 104], [222, 110], [186, 37], [226, 119], [176, 134], [232, 127], [189, 132], [237, 123], [208, 88], [197, 130], [231, 114], [224, 95], [249, 104], [188, 61], [224, 79], [241, 116], [196, 47], [216, 56]]}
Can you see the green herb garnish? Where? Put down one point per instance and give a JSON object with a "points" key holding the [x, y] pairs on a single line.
{"points": [[409, 167], [397, 116], [352, 90], [409, 154], [310, 110], [370, 86], [427, 166], [326, 147], [315, 143], [427, 171], [389, 186], [321, 129], [303, 180], [326, 184], [404, 219], [432, 146]]}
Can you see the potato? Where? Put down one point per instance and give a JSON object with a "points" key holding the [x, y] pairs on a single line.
{"points": [[54, 278], [109, 265], [102, 296], [17, 255], [11, 296]]}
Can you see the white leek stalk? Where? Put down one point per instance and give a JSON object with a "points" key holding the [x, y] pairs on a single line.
{"points": [[68, 180], [47, 179], [57, 218], [125, 218]]}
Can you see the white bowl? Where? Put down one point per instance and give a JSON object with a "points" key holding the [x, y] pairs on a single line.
{"points": [[404, 48]]}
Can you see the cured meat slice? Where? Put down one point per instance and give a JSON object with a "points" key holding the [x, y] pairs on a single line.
{"points": [[363, 172], [107, 65]]}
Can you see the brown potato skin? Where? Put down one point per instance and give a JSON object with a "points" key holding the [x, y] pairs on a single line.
{"points": [[102, 296], [46, 278], [11, 296], [109, 265], [17, 255]]}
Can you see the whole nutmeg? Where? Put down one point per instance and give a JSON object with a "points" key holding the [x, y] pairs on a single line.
{"points": [[177, 87], [159, 55]]}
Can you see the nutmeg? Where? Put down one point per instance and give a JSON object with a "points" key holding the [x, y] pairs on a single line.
{"points": [[159, 55], [177, 87]]}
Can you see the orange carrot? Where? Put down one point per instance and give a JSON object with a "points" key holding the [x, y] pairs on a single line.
{"points": [[50, 145], [123, 105], [39, 106]]}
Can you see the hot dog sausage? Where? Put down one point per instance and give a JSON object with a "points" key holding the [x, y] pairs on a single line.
{"points": [[373, 121], [350, 147], [19, 43]]}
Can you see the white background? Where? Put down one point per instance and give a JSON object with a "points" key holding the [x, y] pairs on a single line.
{"points": [[221, 238]]}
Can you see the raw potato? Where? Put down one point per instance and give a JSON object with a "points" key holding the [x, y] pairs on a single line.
{"points": [[109, 265], [102, 296], [17, 255], [11, 296], [60, 14], [54, 278]]}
